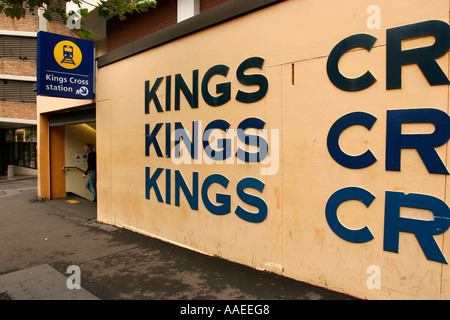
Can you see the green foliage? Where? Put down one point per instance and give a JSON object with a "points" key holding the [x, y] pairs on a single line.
{"points": [[110, 8], [16, 9]]}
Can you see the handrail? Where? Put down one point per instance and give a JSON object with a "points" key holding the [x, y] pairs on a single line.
{"points": [[65, 169]]}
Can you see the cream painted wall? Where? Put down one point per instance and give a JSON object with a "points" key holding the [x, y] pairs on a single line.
{"points": [[50, 104], [76, 136], [294, 38]]}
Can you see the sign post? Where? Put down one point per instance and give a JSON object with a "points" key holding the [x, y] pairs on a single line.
{"points": [[65, 66]]}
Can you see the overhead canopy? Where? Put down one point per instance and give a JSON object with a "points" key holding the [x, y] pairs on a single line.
{"points": [[72, 117], [10, 123]]}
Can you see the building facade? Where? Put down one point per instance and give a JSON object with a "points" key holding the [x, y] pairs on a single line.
{"points": [[306, 138], [18, 114]]}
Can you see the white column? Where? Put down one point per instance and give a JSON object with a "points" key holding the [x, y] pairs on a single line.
{"points": [[187, 9], [42, 20]]}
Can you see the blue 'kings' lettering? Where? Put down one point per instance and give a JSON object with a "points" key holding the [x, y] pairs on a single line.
{"points": [[191, 193], [192, 140]]}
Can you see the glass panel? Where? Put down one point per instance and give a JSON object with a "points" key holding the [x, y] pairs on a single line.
{"points": [[33, 155], [21, 154], [16, 154], [26, 154], [11, 153]]}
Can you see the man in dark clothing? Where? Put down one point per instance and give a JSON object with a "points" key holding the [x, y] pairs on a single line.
{"points": [[91, 171]]}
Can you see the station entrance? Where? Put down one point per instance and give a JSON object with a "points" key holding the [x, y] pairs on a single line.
{"points": [[68, 131]]}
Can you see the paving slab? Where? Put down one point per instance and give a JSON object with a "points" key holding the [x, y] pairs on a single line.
{"points": [[41, 282], [39, 240]]}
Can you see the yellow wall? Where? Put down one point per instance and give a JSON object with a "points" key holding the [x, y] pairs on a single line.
{"points": [[76, 136], [57, 162], [295, 39], [43, 157]]}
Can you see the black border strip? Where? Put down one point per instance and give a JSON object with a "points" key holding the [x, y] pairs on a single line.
{"points": [[227, 11]]}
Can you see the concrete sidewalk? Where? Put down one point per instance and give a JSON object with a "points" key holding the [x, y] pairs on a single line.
{"points": [[42, 241]]}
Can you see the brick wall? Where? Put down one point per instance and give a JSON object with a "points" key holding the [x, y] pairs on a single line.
{"points": [[18, 67], [12, 109], [209, 4], [60, 28], [136, 26], [29, 23], [18, 110]]}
